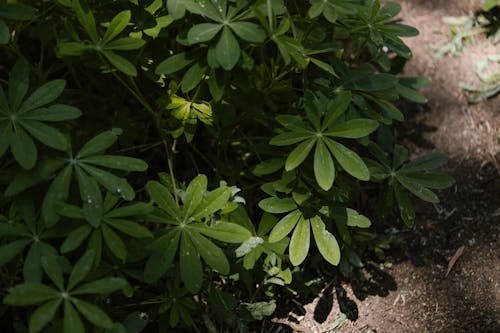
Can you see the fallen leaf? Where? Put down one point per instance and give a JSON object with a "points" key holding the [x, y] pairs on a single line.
{"points": [[454, 259]]}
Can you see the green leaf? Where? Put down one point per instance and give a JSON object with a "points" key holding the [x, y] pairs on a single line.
{"points": [[125, 44], [43, 315], [58, 191], [86, 19], [10, 250], [192, 77], [350, 217], [75, 238], [81, 269], [349, 160], [400, 155], [162, 197], [23, 148], [114, 243], [299, 154], [248, 31], [91, 197], [53, 269], [223, 231], [212, 202], [56, 112], [284, 226], [46, 134], [190, 265], [418, 190], [173, 64], [290, 138], [103, 286], [211, 253], [410, 94], [194, 194], [227, 50], [72, 49], [99, 143], [204, 8], [276, 205], [269, 166], [373, 82], [176, 9], [216, 84], [112, 183], [93, 313], [203, 32], [5, 133], [300, 241], [324, 66], [406, 210], [353, 129], [19, 81], [136, 209], [324, 170], [4, 33], [130, 228], [162, 258], [17, 12], [117, 25], [424, 163], [436, 181], [122, 64], [43, 95], [72, 321], [30, 294], [326, 242]]}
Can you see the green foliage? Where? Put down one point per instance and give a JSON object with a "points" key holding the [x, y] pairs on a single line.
{"points": [[256, 118]]}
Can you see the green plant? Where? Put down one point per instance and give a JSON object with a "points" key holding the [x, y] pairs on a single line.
{"points": [[274, 106]]}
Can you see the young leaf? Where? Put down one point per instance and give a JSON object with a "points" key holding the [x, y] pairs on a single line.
{"points": [[326, 242], [300, 241], [324, 170]]}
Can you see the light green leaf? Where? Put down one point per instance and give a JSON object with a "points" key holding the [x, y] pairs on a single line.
{"points": [[276, 205], [43, 315], [203, 32], [93, 313], [117, 162], [223, 231], [212, 202], [99, 143], [30, 294], [326, 242], [117, 25], [353, 129], [190, 265], [299, 154], [284, 226], [194, 194], [248, 31], [300, 241], [227, 50], [103, 286], [211, 253], [114, 243], [81, 269], [349, 160], [122, 64], [324, 170], [72, 321], [43, 95], [176, 9], [173, 64], [125, 44], [47, 135], [23, 148], [91, 197]]}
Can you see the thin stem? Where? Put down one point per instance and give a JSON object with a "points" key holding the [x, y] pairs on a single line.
{"points": [[171, 171]]}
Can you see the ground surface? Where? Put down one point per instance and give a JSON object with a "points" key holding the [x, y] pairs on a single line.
{"points": [[414, 294]]}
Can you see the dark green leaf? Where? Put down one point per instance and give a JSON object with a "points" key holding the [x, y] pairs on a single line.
{"points": [[17, 12], [162, 257], [103, 286], [203, 32], [23, 148], [125, 44], [99, 143], [227, 50], [53, 270], [29, 294], [46, 134], [93, 313], [86, 19], [424, 163], [353, 129], [57, 192], [176, 9], [122, 64], [248, 31], [136, 209], [19, 81], [75, 238], [130, 228], [43, 315], [43, 95], [112, 183], [223, 231], [194, 194], [91, 197], [211, 253], [436, 181], [406, 210], [72, 321], [268, 167], [81, 269], [212, 202], [4, 33], [10, 250], [56, 112], [418, 190], [162, 197], [117, 25], [192, 77], [410, 94], [114, 243], [72, 49], [173, 64], [190, 265]]}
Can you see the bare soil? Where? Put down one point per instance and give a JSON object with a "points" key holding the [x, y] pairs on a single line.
{"points": [[414, 294]]}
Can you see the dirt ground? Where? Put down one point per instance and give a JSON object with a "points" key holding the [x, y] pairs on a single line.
{"points": [[414, 294]]}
